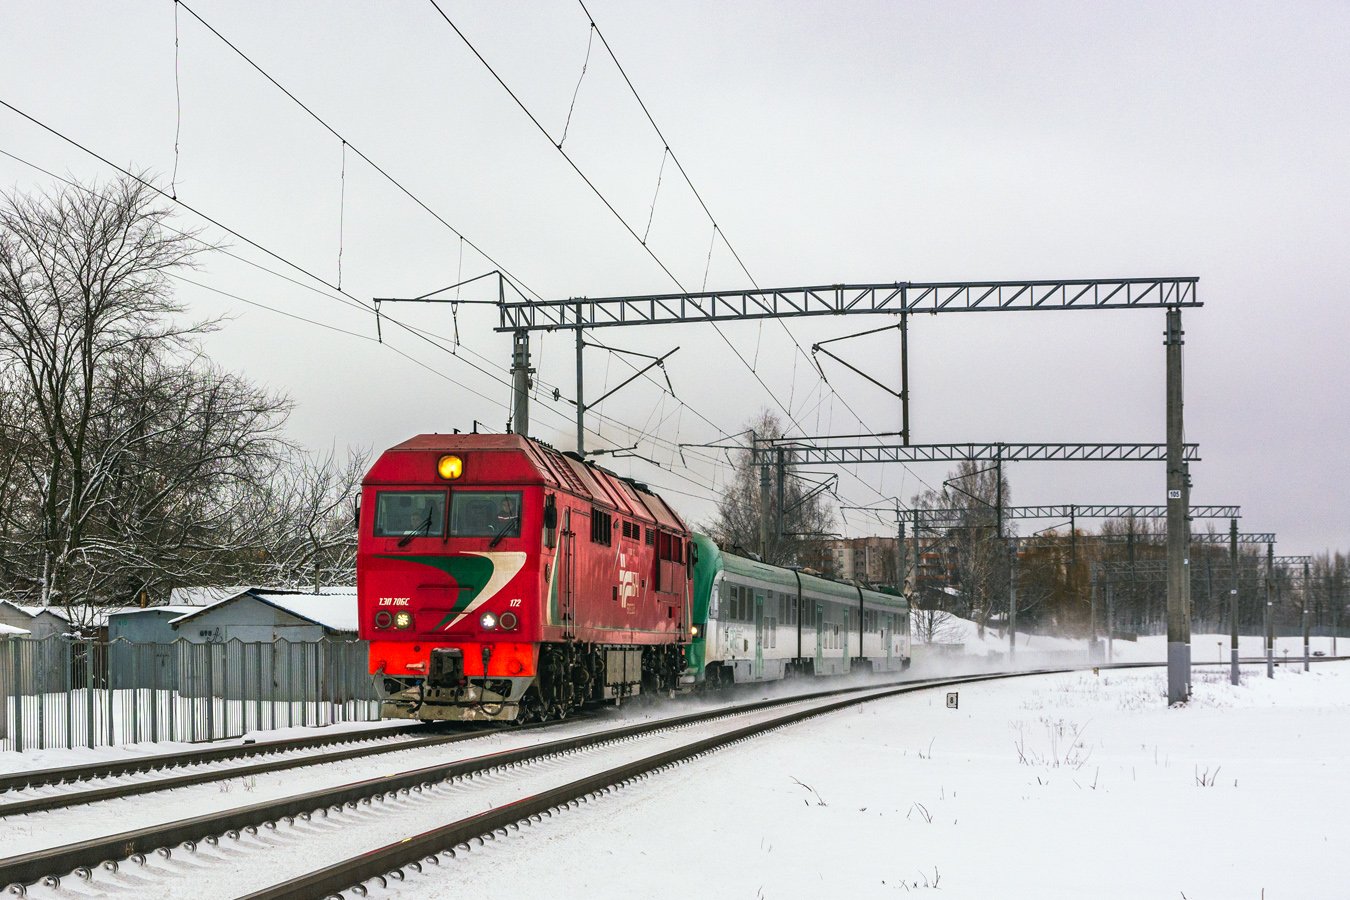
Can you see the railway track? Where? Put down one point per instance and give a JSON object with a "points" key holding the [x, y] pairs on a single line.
{"points": [[47, 793], [11, 781], [540, 782], [343, 808]]}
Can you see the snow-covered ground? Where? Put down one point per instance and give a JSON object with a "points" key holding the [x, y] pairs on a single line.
{"points": [[1205, 648], [1073, 786]]}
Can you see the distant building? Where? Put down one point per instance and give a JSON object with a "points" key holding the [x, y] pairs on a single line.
{"points": [[38, 621], [870, 560], [152, 624]]}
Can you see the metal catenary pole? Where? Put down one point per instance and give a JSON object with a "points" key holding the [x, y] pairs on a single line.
{"points": [[581, 395], [520, 382], [904, 376], [1303, 592], [1178, 580], [1012, 603], [757, 459], [1233, 599], [1270, 612]]}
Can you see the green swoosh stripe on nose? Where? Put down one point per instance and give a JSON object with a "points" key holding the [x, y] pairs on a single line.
{"points": [[471, 574]]}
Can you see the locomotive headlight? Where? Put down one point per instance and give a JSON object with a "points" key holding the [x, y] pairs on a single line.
{"points": [[450, 467], [383, 619], [488, 621], [693, 631], [403, 620]]}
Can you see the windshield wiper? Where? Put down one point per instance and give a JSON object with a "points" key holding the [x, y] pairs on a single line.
{"points": [[501, 532], [424, 527]]}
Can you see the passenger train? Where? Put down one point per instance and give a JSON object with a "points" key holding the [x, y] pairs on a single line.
{"points": [[501, 580]]}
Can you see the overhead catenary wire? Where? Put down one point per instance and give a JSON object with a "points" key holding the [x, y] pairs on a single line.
{"points": [[605, 200], [716, 229], [343, 297], [178, 105], [517, 283]]}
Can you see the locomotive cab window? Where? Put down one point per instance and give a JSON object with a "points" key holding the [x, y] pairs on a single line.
{"points": [[485, 514], [404, 513]]}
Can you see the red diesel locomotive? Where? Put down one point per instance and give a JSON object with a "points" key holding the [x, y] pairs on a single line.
{"points": [[498, 579]]}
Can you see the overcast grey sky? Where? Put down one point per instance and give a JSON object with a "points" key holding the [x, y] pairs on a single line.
{"points": [[833, 142]]}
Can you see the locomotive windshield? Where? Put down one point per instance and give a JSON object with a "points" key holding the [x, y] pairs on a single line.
{"points": [[494, 514], [409, 513]]}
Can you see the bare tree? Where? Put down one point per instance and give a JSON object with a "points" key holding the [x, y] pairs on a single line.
{"points": [[934, 626], [976, 559], [314, 540], [128, 456], [806, 513]]}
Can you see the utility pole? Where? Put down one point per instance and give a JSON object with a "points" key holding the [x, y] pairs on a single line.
{"points": [[1178, 542], [1270, 612], [1233, 599], [520, 382]]}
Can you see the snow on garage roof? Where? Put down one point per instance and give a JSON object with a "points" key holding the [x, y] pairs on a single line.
{"points": [[329, 609], [334, 607], [12, 630]]}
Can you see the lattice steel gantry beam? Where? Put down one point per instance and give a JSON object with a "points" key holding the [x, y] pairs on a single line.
{"points": [[1148, 541], [897, 298], [849, 454], [1120, 511]]}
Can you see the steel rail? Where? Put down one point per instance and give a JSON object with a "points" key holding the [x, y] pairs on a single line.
{"points": [[388, 862], [83, 857], [40, 777], [88, 854], [135, 788], [410, 851]]}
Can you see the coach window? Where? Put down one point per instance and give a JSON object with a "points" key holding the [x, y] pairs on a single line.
{"points": [[404, 513], [485, 514]]}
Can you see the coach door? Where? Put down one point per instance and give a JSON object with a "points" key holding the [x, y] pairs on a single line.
{"points": [[820, 637], [887, 624], [847, 658], [759, 635]]}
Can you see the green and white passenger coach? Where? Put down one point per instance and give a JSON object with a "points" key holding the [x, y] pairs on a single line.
{"points": [[756, 622]]}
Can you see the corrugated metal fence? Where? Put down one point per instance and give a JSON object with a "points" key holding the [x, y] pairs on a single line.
{"points": [[59, 692]]}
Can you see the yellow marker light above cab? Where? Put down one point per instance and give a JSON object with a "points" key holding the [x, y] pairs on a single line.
{"points": [[450, 467]]}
